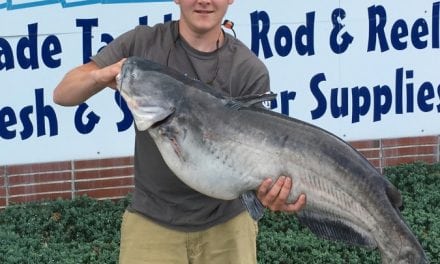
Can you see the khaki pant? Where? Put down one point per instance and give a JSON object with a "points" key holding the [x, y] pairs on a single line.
{"points": [[143, 241]]}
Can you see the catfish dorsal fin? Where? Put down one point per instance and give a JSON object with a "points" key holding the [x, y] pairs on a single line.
{"points": [[250, 100]]}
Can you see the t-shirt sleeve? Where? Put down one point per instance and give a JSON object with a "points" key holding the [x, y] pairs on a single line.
{"points": [[253, 76], [259, 80], [119, 48]]}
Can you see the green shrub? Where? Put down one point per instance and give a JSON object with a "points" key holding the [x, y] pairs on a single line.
{"points": [[84, 230]]}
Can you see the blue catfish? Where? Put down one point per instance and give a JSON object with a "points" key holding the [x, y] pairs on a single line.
{"points": [[225, 147]]}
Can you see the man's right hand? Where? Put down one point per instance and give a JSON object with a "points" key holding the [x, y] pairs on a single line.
{"points": [[84, 81]]}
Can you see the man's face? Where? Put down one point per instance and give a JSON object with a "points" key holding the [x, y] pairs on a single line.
{"points": [[202, 16]]}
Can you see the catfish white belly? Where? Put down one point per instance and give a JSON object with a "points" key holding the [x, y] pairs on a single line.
{"points": [[221, 169]]}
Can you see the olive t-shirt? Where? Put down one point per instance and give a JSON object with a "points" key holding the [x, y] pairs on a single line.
{"points": [[233, 70]]}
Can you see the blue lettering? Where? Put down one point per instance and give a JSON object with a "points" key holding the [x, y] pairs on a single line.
{"points": [[436, 25], [438, 93], [7, 119], [419, 30], [426, 93], [105, 38], [319, 111], [338, 48], [304, 36], [399, 31], [6, 55], [286, 97], [382, 107], [127, 120], [260, 35], [283, 32], [358, 108], [143, 20], [43, 112], [51, 46], [377, 29], [28, 128], [92, 119], [379, 99], [307, 33], [409, 92], [399, 91], [167, 17], [28, 43], [87, 26], [27, 51], [342, 110], [272, 104]]}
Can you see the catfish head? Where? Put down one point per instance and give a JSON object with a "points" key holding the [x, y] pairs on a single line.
{"points": [[149, 91]]}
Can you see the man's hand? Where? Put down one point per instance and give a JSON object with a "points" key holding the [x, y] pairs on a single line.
{"points": [[84, 81], [107, 75], [275, 197]]}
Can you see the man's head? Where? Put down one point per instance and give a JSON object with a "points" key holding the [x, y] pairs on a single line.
{"points": [[202, 16]]}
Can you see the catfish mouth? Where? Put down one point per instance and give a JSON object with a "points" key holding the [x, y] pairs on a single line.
{"points": [[149, 117], [166, 120], [145, 116]]}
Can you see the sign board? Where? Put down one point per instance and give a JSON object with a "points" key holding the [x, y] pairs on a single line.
{"points": [[362, 70]]}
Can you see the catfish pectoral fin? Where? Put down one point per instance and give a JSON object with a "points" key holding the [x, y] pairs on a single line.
{"points": [[253, 205], [333, 228]]}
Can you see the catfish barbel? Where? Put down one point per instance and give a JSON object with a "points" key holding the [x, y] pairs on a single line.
{"points": [[225, 147]]}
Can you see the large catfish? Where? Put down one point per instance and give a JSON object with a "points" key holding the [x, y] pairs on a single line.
{"points": [[225, 147]]}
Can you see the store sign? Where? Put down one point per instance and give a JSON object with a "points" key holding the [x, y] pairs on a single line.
{"points": [[360, 70]]}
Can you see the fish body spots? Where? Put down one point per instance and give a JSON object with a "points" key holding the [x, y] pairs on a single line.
{"points": [[282, 140], [218, 149]]}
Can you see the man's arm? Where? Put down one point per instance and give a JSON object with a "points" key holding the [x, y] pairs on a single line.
{"points": [[84, 81]]}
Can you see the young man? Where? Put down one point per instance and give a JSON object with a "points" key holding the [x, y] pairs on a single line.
{"points": [[167, 221]]}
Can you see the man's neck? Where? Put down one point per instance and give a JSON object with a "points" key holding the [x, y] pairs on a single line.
{"points": [[205, 41]]}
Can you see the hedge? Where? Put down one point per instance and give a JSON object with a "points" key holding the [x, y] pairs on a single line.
{"points": [[85, 230]]}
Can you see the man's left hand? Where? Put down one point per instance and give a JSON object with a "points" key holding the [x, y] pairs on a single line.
{"points": [[274, 197]]}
